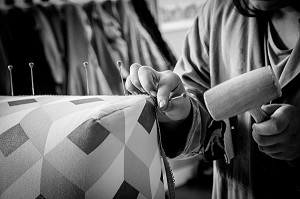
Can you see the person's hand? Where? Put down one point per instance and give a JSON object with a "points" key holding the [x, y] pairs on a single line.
{"points": [[163, 85], [279, 137]]}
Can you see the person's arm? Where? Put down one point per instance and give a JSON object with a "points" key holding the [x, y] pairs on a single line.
{"points": [[187, 128], [189, 137]]}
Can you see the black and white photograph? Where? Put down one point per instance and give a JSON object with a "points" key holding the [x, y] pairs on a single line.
{"points": [[149, 99]]}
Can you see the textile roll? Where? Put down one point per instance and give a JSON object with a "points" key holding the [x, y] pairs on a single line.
{"points": [[79, 147]]}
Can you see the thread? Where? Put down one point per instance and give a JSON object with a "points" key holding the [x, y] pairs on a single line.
{"points": [[168, 170]]}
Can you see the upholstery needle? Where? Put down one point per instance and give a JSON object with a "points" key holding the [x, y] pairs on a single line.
{"points": [[31, 72], [120, 71], [85, 65], [10, 67], [183, 95]]}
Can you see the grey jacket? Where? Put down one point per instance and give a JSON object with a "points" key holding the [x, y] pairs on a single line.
{"points": [[220, 45]]}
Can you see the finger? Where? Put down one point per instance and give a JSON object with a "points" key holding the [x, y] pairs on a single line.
{"points": [[163, 94], [148, 79], [268, 140], [286, 155], [134, 78], [130, 87], [279, 156], [276, 148], [169, 85], [275, 125], [270, 108]]}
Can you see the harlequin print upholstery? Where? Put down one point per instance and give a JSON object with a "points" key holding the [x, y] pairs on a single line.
{"points": [[79, 147]]}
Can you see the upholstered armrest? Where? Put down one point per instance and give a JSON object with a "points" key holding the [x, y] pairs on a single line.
{"points": [[79, 147]]}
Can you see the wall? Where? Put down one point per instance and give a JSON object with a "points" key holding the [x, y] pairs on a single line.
{"points": [[174, 34]]}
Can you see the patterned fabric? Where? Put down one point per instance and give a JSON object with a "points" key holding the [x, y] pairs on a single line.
{"points": [[79, 147]]}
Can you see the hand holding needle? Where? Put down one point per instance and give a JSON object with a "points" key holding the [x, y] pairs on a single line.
{"points": [[166, 108], [173, 99]]}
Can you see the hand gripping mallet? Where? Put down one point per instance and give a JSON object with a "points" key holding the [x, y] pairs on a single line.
{"points": [[246, 92]]}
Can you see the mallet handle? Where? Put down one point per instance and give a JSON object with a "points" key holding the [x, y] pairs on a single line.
{"points": [[259, 115]]}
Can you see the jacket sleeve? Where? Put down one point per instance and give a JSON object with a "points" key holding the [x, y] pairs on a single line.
{"points": [[199, 134]]}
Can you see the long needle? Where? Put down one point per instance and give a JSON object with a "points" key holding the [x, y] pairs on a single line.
{"points": [[183, 95], [85, 65], [31, 72], [10, 67]]}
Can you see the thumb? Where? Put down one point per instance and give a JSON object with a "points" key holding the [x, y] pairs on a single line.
{"points": [[169, 84], [163, 94], [149, 79], [270, 108]]}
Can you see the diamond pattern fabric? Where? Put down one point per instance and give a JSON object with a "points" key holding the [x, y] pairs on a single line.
{"points": [[79, 147], [11, 139], [19, 102], [89, 135]]}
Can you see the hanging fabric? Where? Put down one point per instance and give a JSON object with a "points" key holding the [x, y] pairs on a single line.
{"points": [[101, 46], [150, 24], [51, 49], [79, 51], [59, 36], [141, 48], [20, 40]]}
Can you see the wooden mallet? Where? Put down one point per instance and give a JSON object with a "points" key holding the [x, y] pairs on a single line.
{"points": [[246, 92]]}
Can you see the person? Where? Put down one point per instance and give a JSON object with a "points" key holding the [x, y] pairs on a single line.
{"points": [[229, 38]]}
